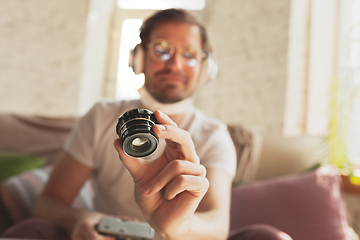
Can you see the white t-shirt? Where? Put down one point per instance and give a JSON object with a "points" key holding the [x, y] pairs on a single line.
{"points": [[91, 143]]}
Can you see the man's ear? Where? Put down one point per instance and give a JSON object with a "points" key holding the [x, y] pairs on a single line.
{"points": [[136, 59]]}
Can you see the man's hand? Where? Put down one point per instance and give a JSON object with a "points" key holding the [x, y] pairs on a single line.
{"points": [[85, 228], [169, 189]]}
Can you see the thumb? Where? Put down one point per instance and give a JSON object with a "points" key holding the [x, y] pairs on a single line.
{"points": [[132, 164]]}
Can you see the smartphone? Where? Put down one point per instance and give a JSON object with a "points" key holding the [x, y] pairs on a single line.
{"points": [[125, 229]]}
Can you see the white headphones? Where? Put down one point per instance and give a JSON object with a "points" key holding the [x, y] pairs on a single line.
{"points": [[208, 71]]}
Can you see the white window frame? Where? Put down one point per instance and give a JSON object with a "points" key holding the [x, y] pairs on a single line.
{"points": [[95, 53], [312, 65]]}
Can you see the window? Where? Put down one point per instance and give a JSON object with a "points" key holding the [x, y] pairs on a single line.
{"points": [[127, 81], [161, 4], [349, 77], [312, 64]]}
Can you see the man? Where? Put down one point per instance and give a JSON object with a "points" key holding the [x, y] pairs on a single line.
{"points": [[185, 192]]}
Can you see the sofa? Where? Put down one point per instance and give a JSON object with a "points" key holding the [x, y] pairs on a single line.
{"points": [[305, 204]]}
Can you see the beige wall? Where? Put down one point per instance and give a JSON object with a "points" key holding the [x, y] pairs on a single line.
{"points": [[40, 55], [251, 38], [41, 46]]}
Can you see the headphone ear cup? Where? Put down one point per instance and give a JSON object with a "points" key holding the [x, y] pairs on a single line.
{"points": [[136, 59], [212, 67], [209, 70]]}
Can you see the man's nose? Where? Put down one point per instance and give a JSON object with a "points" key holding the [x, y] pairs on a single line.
{"points": [[176, 61]]}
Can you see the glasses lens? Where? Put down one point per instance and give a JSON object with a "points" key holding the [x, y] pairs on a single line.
{"points": [[161, 50], [190, 55], [189, 52]]}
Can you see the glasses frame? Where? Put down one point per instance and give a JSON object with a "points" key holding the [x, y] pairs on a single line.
{"points": [[199, 57]]}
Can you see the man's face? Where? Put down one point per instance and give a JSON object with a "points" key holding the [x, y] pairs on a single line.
{"points": [[174, 79]]}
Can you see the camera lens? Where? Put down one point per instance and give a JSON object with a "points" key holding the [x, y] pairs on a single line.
{"points": [[134, 128]]}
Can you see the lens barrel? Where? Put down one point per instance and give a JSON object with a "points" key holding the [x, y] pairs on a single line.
{"points": [[134, 128]]}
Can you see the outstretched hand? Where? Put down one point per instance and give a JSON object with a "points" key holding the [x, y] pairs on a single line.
{"points": [[169, 189]]}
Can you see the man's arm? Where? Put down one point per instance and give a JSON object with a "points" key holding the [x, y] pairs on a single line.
{"points": [[212, 218], [54, 202], [176, 194]]}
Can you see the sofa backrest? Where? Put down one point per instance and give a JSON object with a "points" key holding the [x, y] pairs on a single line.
{"points": [[44, 137], [34, 135], [248, 145]]}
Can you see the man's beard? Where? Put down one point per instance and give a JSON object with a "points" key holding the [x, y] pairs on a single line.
{"points": [[169, 93]]}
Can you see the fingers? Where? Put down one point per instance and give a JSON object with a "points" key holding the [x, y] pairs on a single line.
{"points": [[179, 142], [196, 186], [132, 164], [164, 119], [86, 231], [178, 176]]}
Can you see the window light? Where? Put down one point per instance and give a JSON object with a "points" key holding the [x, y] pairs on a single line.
{"points": [[161, 4], [127, 82]]}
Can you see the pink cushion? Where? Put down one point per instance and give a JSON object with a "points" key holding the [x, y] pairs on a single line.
{"points": [[306, 206]]}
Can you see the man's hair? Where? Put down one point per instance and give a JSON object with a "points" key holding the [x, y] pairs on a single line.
{"points": [[172, 15]]}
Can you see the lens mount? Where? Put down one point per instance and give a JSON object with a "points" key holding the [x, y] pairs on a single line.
{"points": [[134, 128]]}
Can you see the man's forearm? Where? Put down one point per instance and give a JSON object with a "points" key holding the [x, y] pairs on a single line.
{"points": [[213, 225]]}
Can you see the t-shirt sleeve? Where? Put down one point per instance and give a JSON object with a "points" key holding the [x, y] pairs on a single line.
{"points": [[219, 151], [80, 142]]}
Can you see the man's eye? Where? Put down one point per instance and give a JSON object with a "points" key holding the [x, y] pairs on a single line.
{"points": [[161, 50], [189, 52]]}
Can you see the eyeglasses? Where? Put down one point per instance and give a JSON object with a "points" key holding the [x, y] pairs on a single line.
{"points": [[161, 51]]}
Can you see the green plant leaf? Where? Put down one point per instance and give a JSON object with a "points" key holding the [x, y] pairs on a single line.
{"points": [[12, 164]]}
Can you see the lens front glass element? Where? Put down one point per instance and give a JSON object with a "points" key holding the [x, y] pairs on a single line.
{"points": [[140, 144]]}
